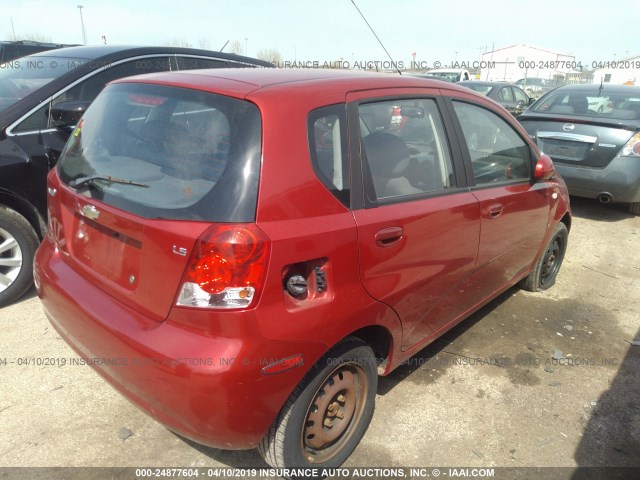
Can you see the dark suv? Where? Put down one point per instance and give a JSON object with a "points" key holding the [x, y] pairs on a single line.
{"points": [[42, 97], [243, 252]]}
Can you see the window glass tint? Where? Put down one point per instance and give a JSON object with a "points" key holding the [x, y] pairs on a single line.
{"points": [[88, 89], [328, 148], [20, 77], [520, 96], [38, 120], [193, 63], [498, 153], [483, 89], [505, 94], [591, 103], [405, 148], [193, 155]]}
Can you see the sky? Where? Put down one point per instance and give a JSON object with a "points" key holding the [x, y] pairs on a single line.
{"points": [[329, 30]]}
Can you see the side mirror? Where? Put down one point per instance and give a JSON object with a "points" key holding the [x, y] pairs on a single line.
{"points": [[544, 168], [65, 115]]}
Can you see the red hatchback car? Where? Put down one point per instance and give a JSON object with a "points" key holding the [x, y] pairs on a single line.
{"points": [[242, 253]]}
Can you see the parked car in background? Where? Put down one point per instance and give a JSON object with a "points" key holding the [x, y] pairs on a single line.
{"points": [[509, 96], [390, 209], [592, 132], [450, 75], [20, 48], [42, 97], [534, 86]]}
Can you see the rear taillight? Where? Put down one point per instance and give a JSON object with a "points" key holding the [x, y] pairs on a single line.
{"points": [[632, 148], [226, 269], [396, 116]]}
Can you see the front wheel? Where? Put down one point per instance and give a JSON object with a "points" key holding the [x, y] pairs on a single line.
{"points": [[328, 413], [18, 244], [547, 268]]}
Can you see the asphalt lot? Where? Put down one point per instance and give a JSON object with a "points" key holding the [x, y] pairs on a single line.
{"points": [[558, 384]]}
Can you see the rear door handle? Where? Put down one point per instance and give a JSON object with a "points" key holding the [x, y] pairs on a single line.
{"points": [[388, 237], [495, 210]]}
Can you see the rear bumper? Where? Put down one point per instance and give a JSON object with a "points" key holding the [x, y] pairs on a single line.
{"points": [[208, 388], [620, 179]]}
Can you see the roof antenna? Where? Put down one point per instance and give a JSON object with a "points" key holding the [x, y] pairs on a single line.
{"points": [[377, 38], [224, 45], [601, 86]]}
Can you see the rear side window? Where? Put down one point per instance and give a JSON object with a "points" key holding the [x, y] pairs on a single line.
{"points": [[498, 153], [89, 88], [406, 149], [505, 94], [327, 131], [171, 153]]}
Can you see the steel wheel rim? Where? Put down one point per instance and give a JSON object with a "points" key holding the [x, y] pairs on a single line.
{"points": [[334, 413], [551, 260], [10, 259]]}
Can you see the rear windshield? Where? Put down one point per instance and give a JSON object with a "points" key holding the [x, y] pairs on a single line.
{"points": [[448, 76], [167, 152], [591, 104], [483, 89], [524, 82]]}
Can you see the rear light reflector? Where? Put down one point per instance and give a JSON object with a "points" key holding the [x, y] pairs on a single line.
{"points": [[632, 148], [226, 269], [284, 365], [396, 116]]}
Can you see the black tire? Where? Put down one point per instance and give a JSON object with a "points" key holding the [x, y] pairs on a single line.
{"points": [[18, 244], [343, 382], [548, 266], [634, 208]]}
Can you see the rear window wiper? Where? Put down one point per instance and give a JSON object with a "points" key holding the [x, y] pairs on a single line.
{"points": [[79, 182]]}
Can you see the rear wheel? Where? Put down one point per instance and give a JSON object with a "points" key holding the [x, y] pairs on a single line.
{"points": [[547, 268], [18, 244], [328, 413], [634, 208]]}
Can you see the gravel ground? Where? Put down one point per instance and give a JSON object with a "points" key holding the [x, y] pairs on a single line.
{"points": [[534, 379]]}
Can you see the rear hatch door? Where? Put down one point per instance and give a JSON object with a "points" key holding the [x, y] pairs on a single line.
{"points": [[138, 261], [147, 170]]}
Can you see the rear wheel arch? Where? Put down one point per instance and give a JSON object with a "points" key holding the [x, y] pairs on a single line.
{"points": [[25, 209], [18, 244], [328, 412], [380, 340]]}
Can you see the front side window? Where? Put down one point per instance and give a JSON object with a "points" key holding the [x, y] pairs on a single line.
{"points": [[497, 152], [175, 153], [405, 148]]}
